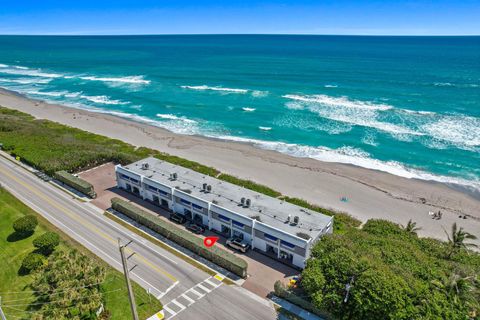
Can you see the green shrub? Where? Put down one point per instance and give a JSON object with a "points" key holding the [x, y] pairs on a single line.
{"points": [[25, 225], [184, 238], [284, 293], [32, 262], [47, 242], [76, 183], [250, 185]]}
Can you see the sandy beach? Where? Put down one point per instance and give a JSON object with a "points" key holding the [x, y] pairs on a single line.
{"points": [[370, 194]]}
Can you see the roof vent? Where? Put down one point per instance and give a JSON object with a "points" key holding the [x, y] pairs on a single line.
{"points": [[173, 176], [145, 166], [242, 201], [209, 188], [248, 202], [296, 220], [289, 218], [204, 187]]}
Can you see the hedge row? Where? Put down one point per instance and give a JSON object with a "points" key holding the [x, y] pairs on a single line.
{"points": [[184, 238], [284, 293], [76, 183]]}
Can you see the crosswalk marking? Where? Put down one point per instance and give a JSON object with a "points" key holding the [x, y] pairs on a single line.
{"points": [[211, 283], [172, 313], [195, 292], [181, 306], [184, 296], [203, 288]]}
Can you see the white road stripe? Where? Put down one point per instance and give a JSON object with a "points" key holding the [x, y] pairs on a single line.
{"points": [[184, 296], [196, 293], [181, 306], [172, 313], [203, 288], [211, 283]]}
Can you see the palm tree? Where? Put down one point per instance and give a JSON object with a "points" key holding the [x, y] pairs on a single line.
{"points": [[411, 227], [458, 238], [455, 287]]}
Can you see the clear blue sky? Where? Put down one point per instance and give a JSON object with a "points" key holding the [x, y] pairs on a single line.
{"points": [[441, 17]]}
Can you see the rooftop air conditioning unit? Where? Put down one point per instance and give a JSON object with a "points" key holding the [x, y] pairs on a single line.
{"points": [[296, 219], [242, 201], [248, 202], [289, 218], [145, 166], [204, 187], [209, 188]]}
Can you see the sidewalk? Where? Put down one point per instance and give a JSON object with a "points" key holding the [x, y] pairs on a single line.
{"points": [[295, 309]]}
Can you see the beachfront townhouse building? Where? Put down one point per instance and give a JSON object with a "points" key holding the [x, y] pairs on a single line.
{"points": [[269, 225]]}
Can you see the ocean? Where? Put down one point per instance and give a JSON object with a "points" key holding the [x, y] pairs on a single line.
{"points": [[409, 106]]}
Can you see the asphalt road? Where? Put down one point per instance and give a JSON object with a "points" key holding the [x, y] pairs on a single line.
{"points": [[187, 292]]}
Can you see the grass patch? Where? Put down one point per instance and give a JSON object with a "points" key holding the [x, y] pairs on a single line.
{"points": [[16, 287]]}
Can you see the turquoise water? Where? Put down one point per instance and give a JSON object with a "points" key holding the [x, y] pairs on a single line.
{"points": [[405, 105]]}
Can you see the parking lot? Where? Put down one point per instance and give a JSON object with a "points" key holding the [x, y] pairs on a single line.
{"points": [[262, 270]]}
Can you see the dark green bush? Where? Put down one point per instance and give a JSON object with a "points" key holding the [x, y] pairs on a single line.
{"points": [[47, 242], [76, 183], [32, 262], [25, 225], [184, 238]]}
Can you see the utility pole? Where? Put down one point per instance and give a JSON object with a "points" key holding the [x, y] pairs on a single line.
{"points": [[126, 272], [1, 311]]}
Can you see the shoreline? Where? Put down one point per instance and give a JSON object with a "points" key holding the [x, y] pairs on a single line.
{"points": [[370, 193]]}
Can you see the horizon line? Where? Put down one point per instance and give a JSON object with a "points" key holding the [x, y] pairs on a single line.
{"points": [[234, 34]]}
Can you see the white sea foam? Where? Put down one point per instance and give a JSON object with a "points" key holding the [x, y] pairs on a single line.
{"points": [[344, 110], [48, 93], [129, 79], [265, 128], [330, 86], [27, 80], [222, 89], [248, 109], [3, 65], [353, 156], [30, 72], [20, 67], [103, 100], [459, 130], [174, 117], [338, 102], [259, 94]]}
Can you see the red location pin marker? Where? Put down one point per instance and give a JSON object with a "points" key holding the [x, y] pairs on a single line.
{"points": [[209, 241]]}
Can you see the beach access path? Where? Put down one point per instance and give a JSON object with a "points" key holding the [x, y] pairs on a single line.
{"points": [[369, 193]]}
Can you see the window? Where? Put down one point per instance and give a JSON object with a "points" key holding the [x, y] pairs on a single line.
{"points": [[196, 206], [269, 237], [185, 202], [134, 180], [287, 244], [224, 218], [163, 192], [238, 224], [152, 188]]}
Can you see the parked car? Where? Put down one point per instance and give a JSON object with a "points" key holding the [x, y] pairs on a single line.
{"points": [[238, 244], [195, 228], [178, 218]]}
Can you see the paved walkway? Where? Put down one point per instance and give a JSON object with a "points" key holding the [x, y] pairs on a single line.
{"points": [[304, 314]]}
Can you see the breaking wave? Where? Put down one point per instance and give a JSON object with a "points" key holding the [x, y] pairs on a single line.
{"points": [[222, 89], [174, 117], [130, 79], [248, 109]]}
